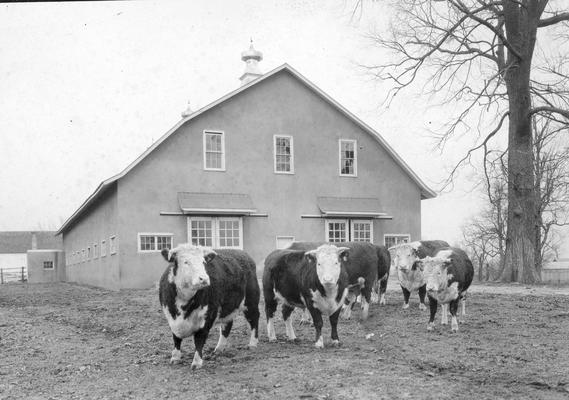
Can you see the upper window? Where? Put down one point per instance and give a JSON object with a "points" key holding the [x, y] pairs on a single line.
{"points": [[152, 242], [348, 158], [48, 265], [214, 151], [395, 239], [216, 232], [284, 157], [103, 248]]}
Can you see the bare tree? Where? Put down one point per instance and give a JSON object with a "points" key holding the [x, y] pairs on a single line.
{"points": [[481, 53], [551, 183]]}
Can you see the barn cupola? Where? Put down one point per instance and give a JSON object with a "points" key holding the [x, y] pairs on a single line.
{"points": [[251, 58], [188, 111]]}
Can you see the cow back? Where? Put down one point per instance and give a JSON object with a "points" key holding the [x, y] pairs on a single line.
{"points": [[430, 247]]}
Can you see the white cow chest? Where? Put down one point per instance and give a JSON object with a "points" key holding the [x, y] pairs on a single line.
{"points": [[327, 304], [185, 327]]}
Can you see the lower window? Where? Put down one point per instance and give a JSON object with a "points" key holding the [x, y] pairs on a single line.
{"points": [[216, 232], [395, 239], [150, 242], [346, 230]]}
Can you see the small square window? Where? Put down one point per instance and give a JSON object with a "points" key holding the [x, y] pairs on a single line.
{"points": [[48, 265]]}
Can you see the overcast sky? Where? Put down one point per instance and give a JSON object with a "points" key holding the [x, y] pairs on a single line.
{"points": [[86, 87]]}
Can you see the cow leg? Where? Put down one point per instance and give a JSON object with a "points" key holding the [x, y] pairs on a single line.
{"points": [[382, 290], [433, 308], [406, 295], [176, 352], [318, 323], [223, 343], [347, 309], [366, 298], [287, 318], [422, 295], [444, 314], [270, 308], [453, 307], [375, 293], [334, 325], [251, 314], [305, 318], [463, 301], [199, 342]]}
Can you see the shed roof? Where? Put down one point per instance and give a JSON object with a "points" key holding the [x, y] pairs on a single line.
{"points": [[216, 203], [350, 207], [426, 192]]}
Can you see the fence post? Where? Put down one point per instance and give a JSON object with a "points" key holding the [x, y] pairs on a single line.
{"points": [[22, 274]]}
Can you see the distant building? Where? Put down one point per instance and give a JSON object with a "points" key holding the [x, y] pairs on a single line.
{"points": [[14, 246], [275, 160]]}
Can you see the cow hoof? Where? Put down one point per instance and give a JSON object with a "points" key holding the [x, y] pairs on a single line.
{"points": [[422, 307], [336, 343], [253, 344], [176, 357], [382, 302], [272, 339], [196, 366], [405, 306], [319, 345], [430, 327]]}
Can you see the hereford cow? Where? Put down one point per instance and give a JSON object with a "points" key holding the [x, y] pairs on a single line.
{"points": [[448, 275], [366, 261], [202, 286], [405, 257], [315, 279]]}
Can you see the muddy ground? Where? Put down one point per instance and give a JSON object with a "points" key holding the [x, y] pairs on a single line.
{"points": [[64, 341]]}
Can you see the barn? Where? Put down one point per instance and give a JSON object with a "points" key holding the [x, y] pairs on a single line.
{"points": [[273, 161]]}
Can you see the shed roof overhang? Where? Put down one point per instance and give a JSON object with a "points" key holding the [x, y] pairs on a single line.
{"points": [[216, 203], [351, 207]]}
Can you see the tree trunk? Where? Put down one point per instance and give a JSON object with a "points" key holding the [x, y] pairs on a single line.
{"points": [[522, 220]]}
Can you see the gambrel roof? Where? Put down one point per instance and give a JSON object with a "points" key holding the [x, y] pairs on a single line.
{"points": [[426, 192]]}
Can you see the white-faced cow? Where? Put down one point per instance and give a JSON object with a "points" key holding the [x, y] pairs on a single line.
{"points": [[405, 257], [201, 287], [315, 279], [448, 275], [366, 262]]}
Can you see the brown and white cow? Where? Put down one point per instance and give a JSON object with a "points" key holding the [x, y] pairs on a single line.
{"points": [[314, 279], [201, 287], [366, 263], [404, 258], [448, 276]]}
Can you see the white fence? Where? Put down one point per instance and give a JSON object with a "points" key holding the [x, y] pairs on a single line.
{"points": [[19, 274]]}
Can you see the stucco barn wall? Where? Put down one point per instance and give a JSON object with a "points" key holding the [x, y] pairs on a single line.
{"points": [[99, 223], [279, 105]]}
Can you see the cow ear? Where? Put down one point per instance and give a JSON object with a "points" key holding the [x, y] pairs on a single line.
{"points": [[209, 256], [166, 254], [310, 256], [343, 253]]}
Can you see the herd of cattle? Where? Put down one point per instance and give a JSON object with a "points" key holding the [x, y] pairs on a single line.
{"points": [[202, 287]]}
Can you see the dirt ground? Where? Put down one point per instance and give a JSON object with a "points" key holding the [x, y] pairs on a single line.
{"points": [[64, 341]]}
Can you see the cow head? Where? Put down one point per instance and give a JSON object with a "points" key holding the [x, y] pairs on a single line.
{"points": [[435, 272], [188, 266], [404, 256], [328, 259]]}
